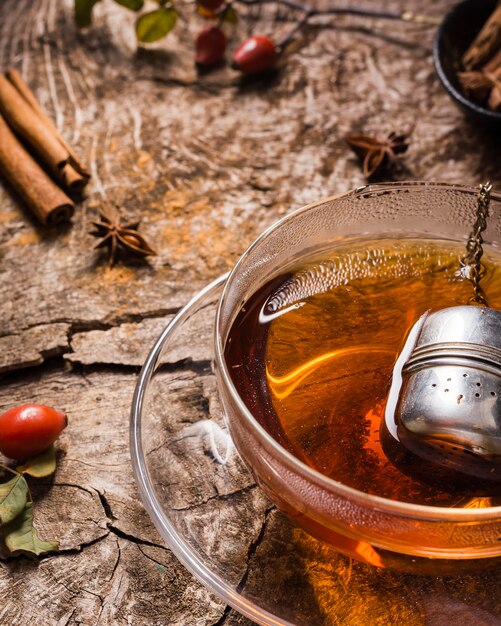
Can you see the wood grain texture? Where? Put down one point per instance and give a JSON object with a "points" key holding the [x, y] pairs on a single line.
{"points": [[129, 344], [206, 162], [33, 346]]}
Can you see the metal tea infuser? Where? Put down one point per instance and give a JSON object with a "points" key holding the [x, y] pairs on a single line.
{"points": [[444, 404]]}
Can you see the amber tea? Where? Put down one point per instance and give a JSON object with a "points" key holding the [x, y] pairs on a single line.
{"points": [[312, 354]]}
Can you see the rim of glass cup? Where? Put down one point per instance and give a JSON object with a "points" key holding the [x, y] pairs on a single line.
{"points": [[415, 511]]}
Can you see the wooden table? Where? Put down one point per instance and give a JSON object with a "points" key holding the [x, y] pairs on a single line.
{"points": [[206, 162]]}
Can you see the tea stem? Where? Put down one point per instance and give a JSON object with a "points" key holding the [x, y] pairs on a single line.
{"points": [[310, 12]]}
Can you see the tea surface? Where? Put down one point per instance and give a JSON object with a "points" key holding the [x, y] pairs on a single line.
{"points": [[312, 354]]}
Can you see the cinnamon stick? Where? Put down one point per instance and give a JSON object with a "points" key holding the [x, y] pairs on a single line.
{"points": [[494, 100], [49, 203], [476, 85], [15, 78], [485, 43], [21, 110], [494, 62]]}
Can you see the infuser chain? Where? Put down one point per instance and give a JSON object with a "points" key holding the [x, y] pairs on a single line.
{"points": [[474, 249]]}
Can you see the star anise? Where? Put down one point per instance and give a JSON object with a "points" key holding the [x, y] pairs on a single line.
{"points": [[378, 155], [119, 237]]}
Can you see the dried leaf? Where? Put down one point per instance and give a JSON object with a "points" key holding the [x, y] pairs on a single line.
{"points": [[13, 498], [22, 537], [230, 15], [155, 24], [40, 466], [83, 12]]}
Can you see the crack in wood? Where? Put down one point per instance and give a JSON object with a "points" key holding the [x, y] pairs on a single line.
{"points": [[115, 566], [222, 620], [110, 528], [158, 564], [225, 497], [82, 325], [106, 506], [107, 529], [185, 365], [67, 551], [31, 348], [92, 492], [131, 318], [10, 376], [92, 593], [41, 355], [202, 367], [133, 539], [253, 548], [73, 593], [70, 617]]}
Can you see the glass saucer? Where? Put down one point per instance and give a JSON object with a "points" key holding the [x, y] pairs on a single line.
{"points": [[212, 515]]}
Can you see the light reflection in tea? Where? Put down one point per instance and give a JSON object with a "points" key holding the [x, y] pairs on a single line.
{"points": [[312, 355]]}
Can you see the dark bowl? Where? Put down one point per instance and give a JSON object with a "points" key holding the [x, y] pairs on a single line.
{"points": [[454, 35]]}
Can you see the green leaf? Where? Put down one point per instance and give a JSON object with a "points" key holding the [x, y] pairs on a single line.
{"points": [[21, 536], [83, 12], [156, 24], [133, 5], [40, 466], [13, 496], [230, 15]]}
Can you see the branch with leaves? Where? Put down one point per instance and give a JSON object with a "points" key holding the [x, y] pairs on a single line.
{"points": [[26, 432], [16, 507], [257, 53]]}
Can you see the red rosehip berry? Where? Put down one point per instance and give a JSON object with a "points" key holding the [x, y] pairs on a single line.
{"points": [[210, 46], [255, 55], [29, 429], [212, 5]]}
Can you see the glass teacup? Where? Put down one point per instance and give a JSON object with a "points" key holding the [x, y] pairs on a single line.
{"points": [[373, 529]]}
